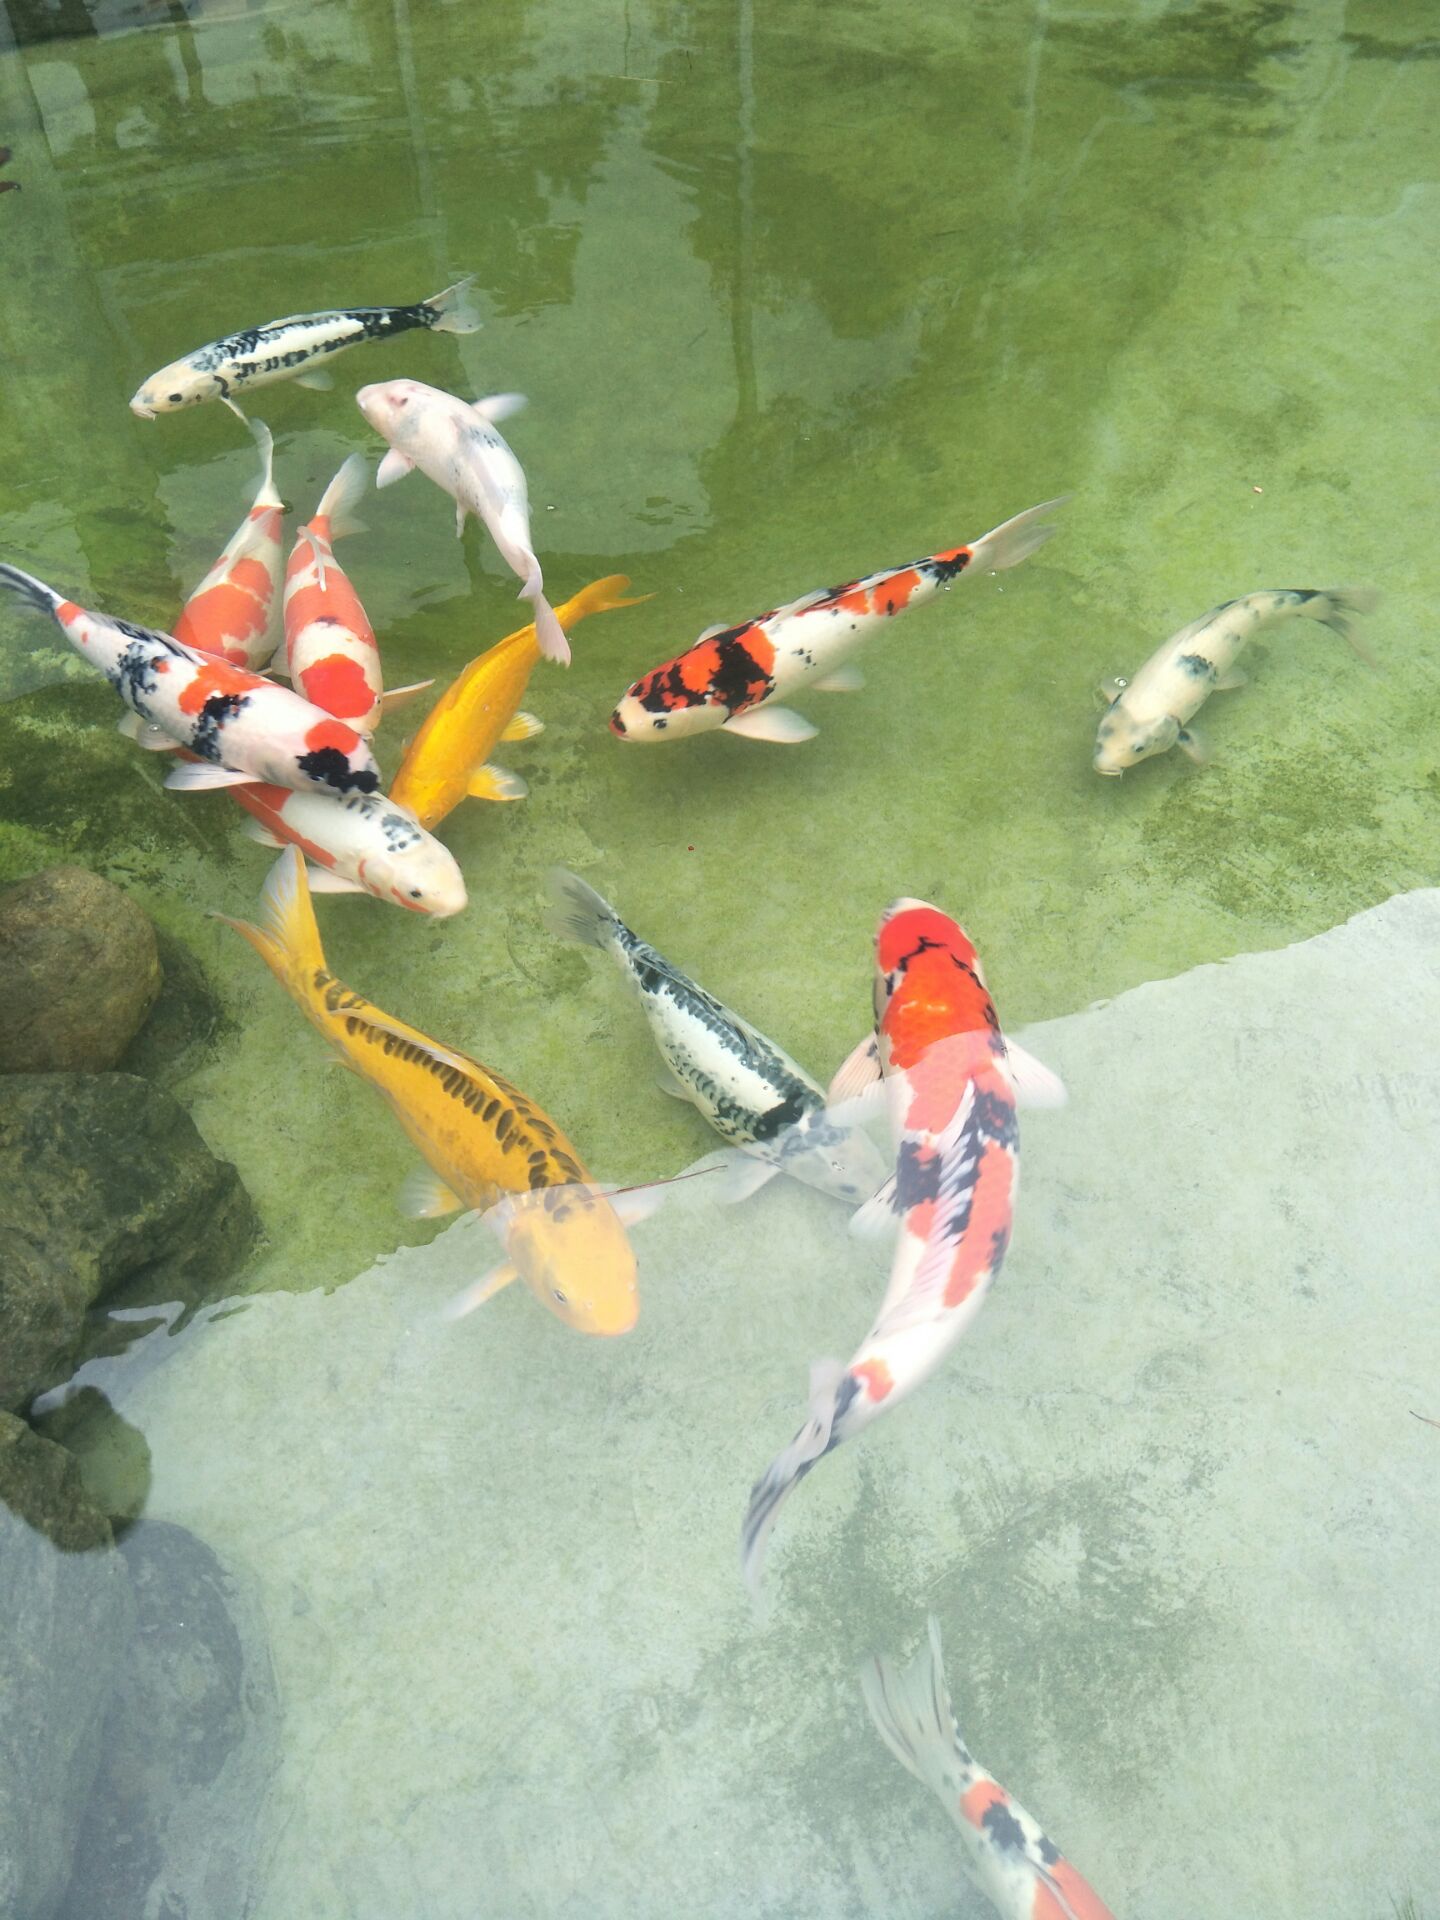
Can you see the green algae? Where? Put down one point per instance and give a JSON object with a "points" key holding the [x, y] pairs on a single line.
{"points": [[794, 297]]}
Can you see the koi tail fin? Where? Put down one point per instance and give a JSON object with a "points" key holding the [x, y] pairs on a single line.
{"points": [[578, 912], [1339, 608], [454, 310], [287, 940], [267, 496], [601, 596], [337, 503], [1007, 545], [34, 593], [911, 1710], [549, 634], [788, 1469]]}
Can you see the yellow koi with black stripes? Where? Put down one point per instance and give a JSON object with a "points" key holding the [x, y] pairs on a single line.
{"points": [[482, 1139]]}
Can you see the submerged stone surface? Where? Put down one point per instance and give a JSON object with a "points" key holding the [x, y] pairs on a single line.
{"points": [[1167, 1500], [68, 1617], [79, 971], [104, 1183]]}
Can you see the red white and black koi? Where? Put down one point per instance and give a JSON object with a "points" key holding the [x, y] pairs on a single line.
{"points": [[459, 446], [733, 677], [290, 349], [361, 843], [241, 724], [952, 1085], [1008, 1855], [330, 645], [750, 1090], [234, 613]]}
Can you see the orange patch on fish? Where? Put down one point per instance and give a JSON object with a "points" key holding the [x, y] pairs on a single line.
{"points": [[856, 601], [216, 677], [229, 612], [892, 595], [338, 684], [332, 733], [988, 1227], [981, 1797], [1081, 1900], [877, 1377]]}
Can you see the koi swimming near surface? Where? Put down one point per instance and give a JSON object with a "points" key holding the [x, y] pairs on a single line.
{"points": [[1007, 1853], [459, 446], [291, 349], [449, 758], [358, 843], [752, 1093], [234, 612], [241, 725], [735, 677], [330, 647], [1151, 712], [951, 1084], [486, 1146]]}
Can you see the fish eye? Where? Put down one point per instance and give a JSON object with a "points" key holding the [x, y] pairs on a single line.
{"points": [[175, 399], [559, 1295], [414, 893]]}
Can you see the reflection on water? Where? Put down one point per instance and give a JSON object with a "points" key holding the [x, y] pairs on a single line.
{"points": [[419, 1617]]}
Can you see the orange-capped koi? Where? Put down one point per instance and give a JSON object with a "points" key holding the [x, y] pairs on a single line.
{"points": [[234, 612], [734, 677], [487, 1146], [952, 1084], [1006, 1852], [329, 643], [239, 723], [449, 758]]}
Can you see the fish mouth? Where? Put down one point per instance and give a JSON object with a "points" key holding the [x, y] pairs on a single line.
{"points": [[141, 411], [1110, 773], [617, 725]]}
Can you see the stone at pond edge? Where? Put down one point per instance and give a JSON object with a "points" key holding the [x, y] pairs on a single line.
{"points": [[105, 1185], [112, 1456], [69, 1617], [184, 1023], [79, 971], [188, 1747]]}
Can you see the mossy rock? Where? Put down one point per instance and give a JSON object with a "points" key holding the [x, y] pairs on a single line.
{"points": [[79, 972]]}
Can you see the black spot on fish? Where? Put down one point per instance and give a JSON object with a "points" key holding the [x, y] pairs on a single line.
{"points": [[917, 1176], [845, 1395], [133, 675], [1003, 1828], [947, 568], [791, 1109], [1197, 666], [332, 768], [739, 680], [211, 720], [994, 1117], [1049, 1852]]}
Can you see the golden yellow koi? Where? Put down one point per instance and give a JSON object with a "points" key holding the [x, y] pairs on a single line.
{"points": [[446, 761], [480, 1136]]}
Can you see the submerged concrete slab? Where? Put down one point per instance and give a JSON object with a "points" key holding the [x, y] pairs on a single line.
{"points": [[1168, 1501]]}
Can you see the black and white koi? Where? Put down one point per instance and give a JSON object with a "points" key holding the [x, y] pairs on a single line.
{"points": [[1151, 712], [290, 349], [240, 725], [752, 1093]]}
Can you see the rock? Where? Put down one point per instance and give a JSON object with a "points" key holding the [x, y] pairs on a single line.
{"points": [[79, 971], [188, 1747], [184, 1023], [105, 1186], [69, 1616], [112, 1456]]}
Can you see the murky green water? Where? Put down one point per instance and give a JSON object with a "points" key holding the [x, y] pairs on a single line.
{"points": [[798, 291]]}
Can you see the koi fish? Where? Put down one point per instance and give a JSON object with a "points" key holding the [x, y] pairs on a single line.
{"points": [[952, 1084], [450, 755], [362, 843], [459, 446], [232, 613], [1150, 713], [752, 1093], [329, 643], [486, 1146], [734, 677], [288, 350], [1007, 1854], [241, 724]]}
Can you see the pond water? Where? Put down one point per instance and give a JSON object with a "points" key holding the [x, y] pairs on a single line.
{"points": [[796, 292]]}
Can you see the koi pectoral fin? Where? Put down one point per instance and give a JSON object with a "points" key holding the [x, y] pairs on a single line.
{"points": [[1234, 677], [401, 696], [424, 1195], [1190, 744], [847, 679], [778, 725], [483, 1289], [495, 783]]}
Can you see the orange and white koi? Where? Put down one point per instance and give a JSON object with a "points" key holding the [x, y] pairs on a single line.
{"points": [[735, 677], [239, 724], [329, 643], [458, 445], [234, 612], [485, 1144], [1008, 1855], [358, 843], [952, 1084], [449, 758]]}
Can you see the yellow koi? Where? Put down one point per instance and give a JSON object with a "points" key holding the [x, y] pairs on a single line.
{"points": [[447, 759], [480, 1136]]}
